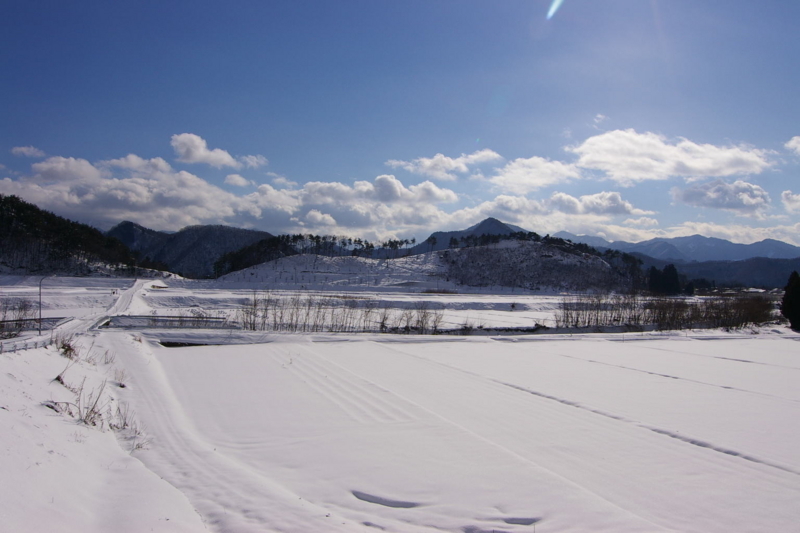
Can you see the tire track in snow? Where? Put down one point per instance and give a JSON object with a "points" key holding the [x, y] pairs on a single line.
{"points": [[671, 434], [660, 431], [584, 468], [229, 496], [480, 435], [669, 376], [704, 338], [355, 396]]}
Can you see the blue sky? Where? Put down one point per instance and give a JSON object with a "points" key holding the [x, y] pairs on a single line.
{"points": [[629, 119]]}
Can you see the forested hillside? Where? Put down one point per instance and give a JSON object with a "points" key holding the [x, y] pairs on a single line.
{"points": [[550, 263], [191, 251], [35, 240]]}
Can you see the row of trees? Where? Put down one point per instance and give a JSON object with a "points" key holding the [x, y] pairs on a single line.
{"points": [[664, 313], [312, 313]]}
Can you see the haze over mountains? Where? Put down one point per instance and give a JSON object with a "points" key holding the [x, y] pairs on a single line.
{"points": [[692, 248]]}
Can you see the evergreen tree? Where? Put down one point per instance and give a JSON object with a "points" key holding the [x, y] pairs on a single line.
{"points": [[790, 305], [664, 282]]}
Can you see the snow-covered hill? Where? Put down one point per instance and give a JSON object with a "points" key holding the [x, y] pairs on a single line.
{"points": [[413, 273], [532, 265], [510, 264]]}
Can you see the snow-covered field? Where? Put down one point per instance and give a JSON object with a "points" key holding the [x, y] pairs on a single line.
{"points": [[244, 431]]}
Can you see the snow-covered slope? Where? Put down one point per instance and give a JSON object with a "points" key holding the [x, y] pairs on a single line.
{"points": [[412, 273], [510, 264]]}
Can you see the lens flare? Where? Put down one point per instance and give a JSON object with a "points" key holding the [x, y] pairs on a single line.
{"points": [[553, 8]]}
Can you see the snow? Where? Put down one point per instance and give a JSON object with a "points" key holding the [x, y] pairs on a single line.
{"points": [[250, 431]]}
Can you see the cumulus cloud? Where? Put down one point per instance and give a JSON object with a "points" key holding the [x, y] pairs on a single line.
{"points": [[281, 181], [317, 218], [602, 203], [522, 176], [27, 151], [130, 188], [384, 189], [237, 181], [151, 192], [642, 222], [442, 167], [628, 157], [138, 164], [791, 201], [513, 209], [740, 197], [794, 144], [191, 148]]}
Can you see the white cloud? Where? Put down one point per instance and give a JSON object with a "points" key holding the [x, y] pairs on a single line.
{"points": [[27, 151], [385, 189], [253, 161], [317, 218], [740, 197], [137, 164], [628, 157], [642, 222], [66, 170], [130, 188], [281, 181], [522, 176], [237, 180], [442, 167], [602, 203], [794, 144], [154, 194], [791, 201], [191, 148], [599, 119], [513, 209]]}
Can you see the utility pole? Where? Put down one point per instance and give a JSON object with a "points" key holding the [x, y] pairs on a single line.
{"points": [[40, 303]]}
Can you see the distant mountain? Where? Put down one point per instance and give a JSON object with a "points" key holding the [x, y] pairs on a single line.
{"points": [[767, 263], [191, 251], [489, 226], [694, 248], [34, 240]]}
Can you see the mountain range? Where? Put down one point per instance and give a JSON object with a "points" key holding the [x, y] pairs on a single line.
{"points": [[34, 240], [692, 248], [191, 251]]}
